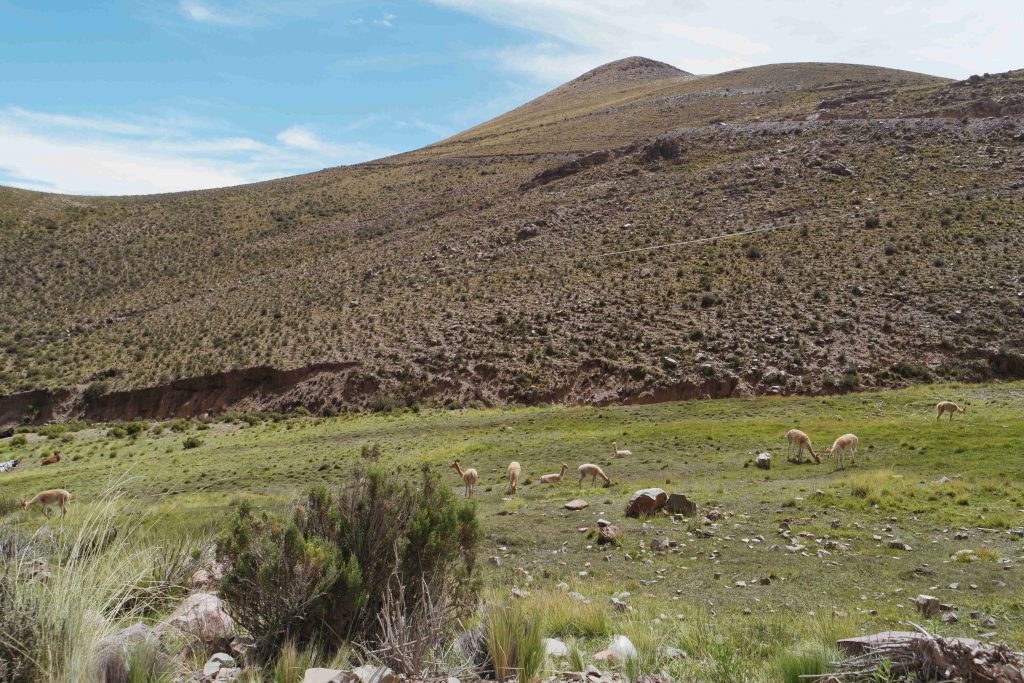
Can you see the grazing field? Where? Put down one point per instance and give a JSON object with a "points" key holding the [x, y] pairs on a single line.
{"points": [[940, 487]]}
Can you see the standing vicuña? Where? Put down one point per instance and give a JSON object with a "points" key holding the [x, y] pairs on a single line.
{"points": [[469, 477], [47, 498], [514, 468], [592, 471], [847, 443], [797, 439], [948, 407]]}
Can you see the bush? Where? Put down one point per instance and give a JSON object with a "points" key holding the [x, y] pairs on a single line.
{"points": [[134, 428], [191, 442], [329, 571], [19, 440]]}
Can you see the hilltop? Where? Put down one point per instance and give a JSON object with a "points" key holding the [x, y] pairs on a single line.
{"points": [[490, 267]]}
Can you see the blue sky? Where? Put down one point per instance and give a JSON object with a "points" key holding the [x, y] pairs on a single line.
{"points": [[138, 96]]}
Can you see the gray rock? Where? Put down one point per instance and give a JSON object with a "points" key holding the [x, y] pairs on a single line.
{"points": [[555, 648], [577, 504], [764, 461], [218, 661], [320, 675], [928, 605], [112, 653], [681, 505]]}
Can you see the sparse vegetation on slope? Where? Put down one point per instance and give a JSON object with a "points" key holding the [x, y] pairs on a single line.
{"points": [[475, 270]]}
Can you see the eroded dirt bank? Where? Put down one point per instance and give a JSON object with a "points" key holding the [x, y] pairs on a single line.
{"points": [[333, 387]]}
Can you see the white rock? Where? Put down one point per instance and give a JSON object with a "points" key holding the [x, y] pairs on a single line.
{"points": [[217, 662], [320, 675], [555, 647], [621, 648]]}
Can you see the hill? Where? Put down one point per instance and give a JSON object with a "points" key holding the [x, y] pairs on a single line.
{"points": [[514, 262]]}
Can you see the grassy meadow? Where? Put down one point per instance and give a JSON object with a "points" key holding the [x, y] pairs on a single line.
{"points": [[940, 487]]}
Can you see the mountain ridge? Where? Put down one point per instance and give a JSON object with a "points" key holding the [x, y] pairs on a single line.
{"points": [[470, 270]]}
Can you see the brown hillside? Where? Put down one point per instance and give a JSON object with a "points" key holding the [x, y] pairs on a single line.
{"points": [[488, 266]]}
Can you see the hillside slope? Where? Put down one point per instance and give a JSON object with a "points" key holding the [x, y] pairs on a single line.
{"points": [[488, 266]]}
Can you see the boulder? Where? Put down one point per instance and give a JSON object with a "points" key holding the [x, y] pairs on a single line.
{"points": [[112, 652], [608, 534], [202, 616], [577, 504], [764, 461], [646, 502]]}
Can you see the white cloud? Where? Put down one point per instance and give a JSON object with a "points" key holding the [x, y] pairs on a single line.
{"points": [[945, 37], [207, 15], [88, 155], [387, 21]]}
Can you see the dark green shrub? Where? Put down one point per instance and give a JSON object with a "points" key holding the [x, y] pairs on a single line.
{"points": [[180, 425], [191, 442], [117, 432], [19, 440], [326, 574], [134, 428]]}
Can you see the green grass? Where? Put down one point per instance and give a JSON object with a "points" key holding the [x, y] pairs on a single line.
{"points": [[702, 448]]}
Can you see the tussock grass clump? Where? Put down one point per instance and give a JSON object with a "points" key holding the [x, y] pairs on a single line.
{"points": [[105, 576], [807, 661], [563, 617], [514, 641]]}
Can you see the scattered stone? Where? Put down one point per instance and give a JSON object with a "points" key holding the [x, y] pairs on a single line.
{"points": [[112, 652], [703, 533], [680, 505], [608, 534], [368, 673], [897, 544], [619, 650], [621, 606], [207, 579], [764, 461], [603, 522], [659, 545], [949, 618], [646, 502], [519, 592], [555, 647], [989, 623], [675, 653], [577, 504], [579, 597], [495, 560], [242, 647], [927, 605], [217, 662], [37, 570]]}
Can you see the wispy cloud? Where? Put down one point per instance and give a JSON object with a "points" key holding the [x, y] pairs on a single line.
{"points": [[387, 21], [93, 155], [205, 14], [566, 37]]}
